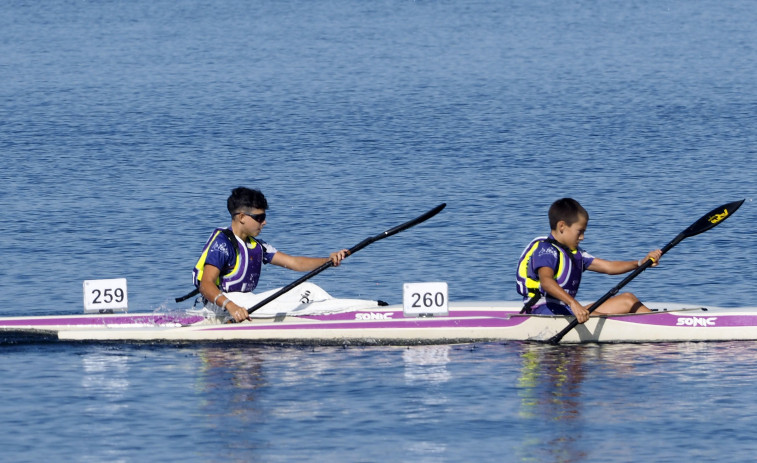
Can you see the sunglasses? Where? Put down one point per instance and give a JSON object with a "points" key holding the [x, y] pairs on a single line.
{"points": [[259, 218]]}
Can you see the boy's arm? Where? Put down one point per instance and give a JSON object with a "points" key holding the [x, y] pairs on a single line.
{"points": [[306, 264], [212, 293], [616, 267], [548, 284]]}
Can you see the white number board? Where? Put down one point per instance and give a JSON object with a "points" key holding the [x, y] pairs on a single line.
{"points": [[102, 296], [425, 299]]}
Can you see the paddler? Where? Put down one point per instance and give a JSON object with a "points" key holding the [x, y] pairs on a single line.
{"points": [[233, 257], [550, 268]]}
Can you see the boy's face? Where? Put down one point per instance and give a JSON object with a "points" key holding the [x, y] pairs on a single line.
{"points": [[251, 224], [572, 235]]}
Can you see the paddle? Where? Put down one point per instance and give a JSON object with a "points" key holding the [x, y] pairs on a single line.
{"points": [[706, 222], [352, 250]]}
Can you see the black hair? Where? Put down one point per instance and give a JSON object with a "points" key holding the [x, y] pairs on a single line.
{"points": [[242, 198], [567, 210]]}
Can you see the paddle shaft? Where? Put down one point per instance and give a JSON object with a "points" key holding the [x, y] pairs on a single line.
{"points": [[705, 223], [611, 293], [352, 250]]}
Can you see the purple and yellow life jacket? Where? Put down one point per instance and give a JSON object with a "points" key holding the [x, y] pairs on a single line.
{"points": [[242, 271]]}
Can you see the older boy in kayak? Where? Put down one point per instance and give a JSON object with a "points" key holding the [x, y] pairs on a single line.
{"points": [[550, 268], [233, 257]]}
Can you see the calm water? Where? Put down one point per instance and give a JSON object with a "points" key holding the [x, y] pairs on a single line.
{"points": [[124, 124]]}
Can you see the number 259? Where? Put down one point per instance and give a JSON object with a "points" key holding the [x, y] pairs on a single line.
{"points": [[106, 296]]}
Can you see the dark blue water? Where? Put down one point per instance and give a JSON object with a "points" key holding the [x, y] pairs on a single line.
{"points": [[124, 125]]}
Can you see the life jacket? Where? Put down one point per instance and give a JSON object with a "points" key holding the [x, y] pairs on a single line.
{"points": [[227, 270], [529, 287]]}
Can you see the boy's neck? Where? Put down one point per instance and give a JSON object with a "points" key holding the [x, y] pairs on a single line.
{"points": [[236, 227], [554, 236]]}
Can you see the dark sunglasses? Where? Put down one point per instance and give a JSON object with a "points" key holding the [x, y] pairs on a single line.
{"points": [[259, 218]]}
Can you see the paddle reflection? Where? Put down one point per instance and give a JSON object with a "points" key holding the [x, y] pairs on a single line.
{"points": [[550, 391]]}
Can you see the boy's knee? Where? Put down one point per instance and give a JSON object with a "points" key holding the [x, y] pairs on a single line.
{"points": [[631, 302], [629, 298]]}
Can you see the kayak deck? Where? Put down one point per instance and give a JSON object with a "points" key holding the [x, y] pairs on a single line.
{"points": [[466, 322]]}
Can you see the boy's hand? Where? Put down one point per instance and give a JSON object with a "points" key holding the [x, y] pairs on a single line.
{"points": [[238, 313], [654, 256], [337, 257], [581, 313]]}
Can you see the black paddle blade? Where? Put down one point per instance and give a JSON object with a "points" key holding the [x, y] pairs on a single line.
{"points": [[415, 221], [713, 218]]}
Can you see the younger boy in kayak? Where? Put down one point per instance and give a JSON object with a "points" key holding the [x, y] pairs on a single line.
{"points": [[552, 267], [233, 257]]}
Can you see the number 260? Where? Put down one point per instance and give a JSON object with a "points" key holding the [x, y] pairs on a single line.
{"points": [[428, 299]]}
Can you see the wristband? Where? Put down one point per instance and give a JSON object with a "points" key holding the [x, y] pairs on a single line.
{"points": [[216, 298], [225, 302], [641, 261]]}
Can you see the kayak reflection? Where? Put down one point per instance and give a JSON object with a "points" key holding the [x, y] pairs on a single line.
{"points": [[426, 364]]}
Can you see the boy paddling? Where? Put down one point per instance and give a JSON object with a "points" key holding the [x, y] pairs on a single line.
{"points": [[550, 268], [233, 257]]}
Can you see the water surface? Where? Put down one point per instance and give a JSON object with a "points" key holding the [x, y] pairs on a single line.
{"points": [[124, 125]]}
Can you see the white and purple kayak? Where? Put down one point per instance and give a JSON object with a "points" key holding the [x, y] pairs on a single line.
{"points": [[305, 314], [465, 322]]}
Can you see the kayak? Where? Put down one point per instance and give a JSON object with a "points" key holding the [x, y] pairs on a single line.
{"points": [[303, 313], [465, 322]]}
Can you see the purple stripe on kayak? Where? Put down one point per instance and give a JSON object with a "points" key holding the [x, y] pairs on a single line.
{"points": [[655, 319], [398, 315], [378, 319], [157, 319], [441, 322]]}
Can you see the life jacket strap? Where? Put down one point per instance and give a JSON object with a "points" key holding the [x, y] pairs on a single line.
{"points": [[192, 293], [530, 303]]}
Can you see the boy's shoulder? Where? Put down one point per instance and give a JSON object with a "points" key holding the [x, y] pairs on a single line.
{"points": [[540, 247], [224, 241], [546, 248]]}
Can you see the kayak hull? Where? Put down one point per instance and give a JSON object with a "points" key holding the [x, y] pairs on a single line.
{"points": [[466, 322]]}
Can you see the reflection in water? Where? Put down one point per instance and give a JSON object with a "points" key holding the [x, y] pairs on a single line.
{"points": [[426, 364], [105, 380], [425, 370], [268, 392], [294, 373], [550, 395], [106, 377], [578, 402], [228, 380], [224, 367], [228, 383]]}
